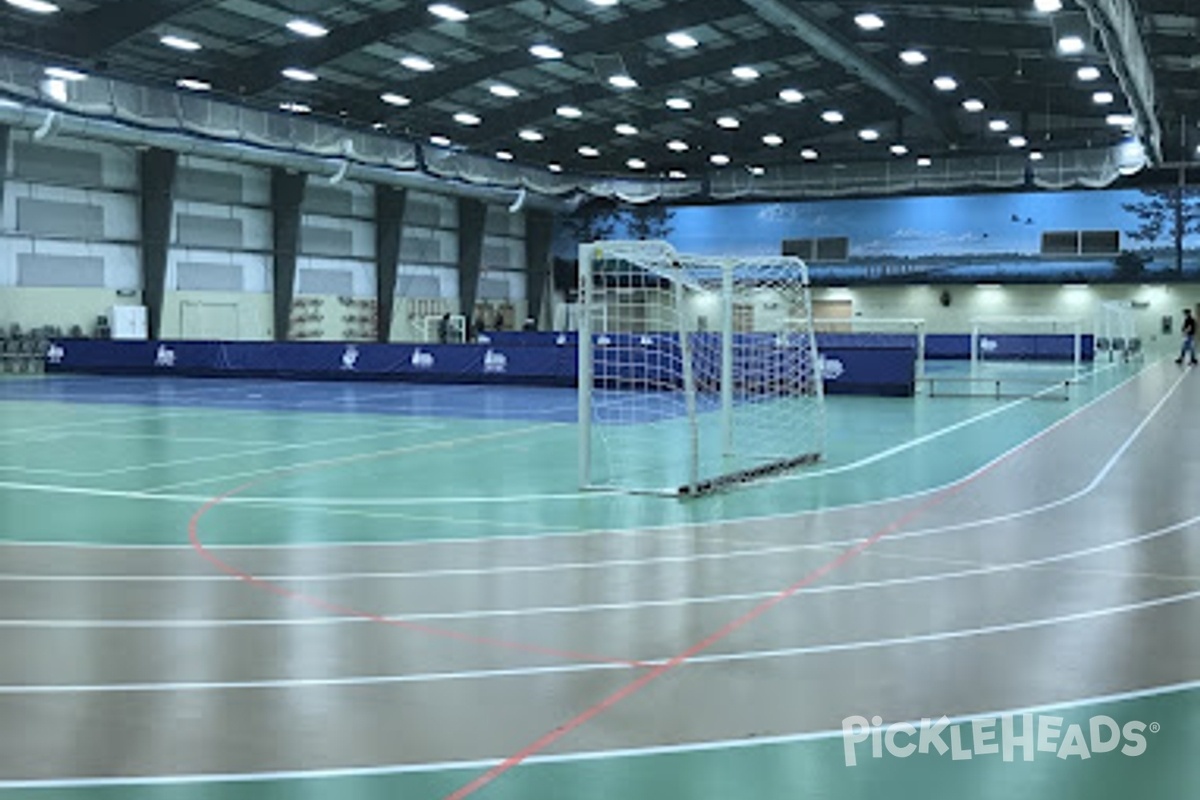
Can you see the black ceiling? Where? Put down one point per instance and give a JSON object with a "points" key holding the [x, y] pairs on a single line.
{"points": [[1001, 52]]}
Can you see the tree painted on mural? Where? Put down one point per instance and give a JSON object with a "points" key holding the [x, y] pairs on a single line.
{"points": [[648, 222], [600, 220], [1170, 213]]}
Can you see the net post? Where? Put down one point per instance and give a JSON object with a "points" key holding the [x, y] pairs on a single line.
{"points": [[974, 346], [689, 389], [1078, 341], [585, 365], [727, 359], [920, 350]]}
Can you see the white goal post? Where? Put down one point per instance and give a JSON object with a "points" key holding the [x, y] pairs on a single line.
{"points": [[695, 372], [987, 338], [903, 330]]}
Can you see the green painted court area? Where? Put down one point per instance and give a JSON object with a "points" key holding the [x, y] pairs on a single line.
{"points": [[243, 589]]}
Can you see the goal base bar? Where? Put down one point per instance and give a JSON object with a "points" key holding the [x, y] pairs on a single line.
{"points": [[712, 485]]}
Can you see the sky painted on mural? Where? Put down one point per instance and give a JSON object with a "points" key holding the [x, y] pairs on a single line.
{"points": [[910, 227]]}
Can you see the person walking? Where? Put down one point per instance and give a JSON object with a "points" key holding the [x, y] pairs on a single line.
{"points": [[1188, 348]]}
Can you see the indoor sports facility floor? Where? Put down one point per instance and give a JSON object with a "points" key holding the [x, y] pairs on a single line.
{"points": [[267, 589]]}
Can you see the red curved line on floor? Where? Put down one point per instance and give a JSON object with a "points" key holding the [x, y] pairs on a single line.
{"points": [[762, 608]]}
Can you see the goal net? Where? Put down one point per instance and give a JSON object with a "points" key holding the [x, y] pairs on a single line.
{"points": [[875, 332], [695, 373], [1049, 340]]}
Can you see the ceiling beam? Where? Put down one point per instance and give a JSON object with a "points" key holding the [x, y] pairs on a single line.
{"points": [[93, 32], [808, 28], [1117, 23]]}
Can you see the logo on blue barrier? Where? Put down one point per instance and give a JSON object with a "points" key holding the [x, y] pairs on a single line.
{"points": [[989, 345], [561, 340], [832, 368], [55, 354], [495, 363], [164, 357], [350, 357], [422, 359]]}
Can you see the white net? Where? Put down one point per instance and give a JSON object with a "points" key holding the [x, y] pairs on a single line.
{"points": [[875, 332], [1048, 340], [1116, 332], [695, 372]]}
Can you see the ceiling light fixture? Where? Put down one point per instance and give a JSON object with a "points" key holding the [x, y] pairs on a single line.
{"points": [[998, 125], [746, 73], [300, 75], [728, 123], [944, 83], [307, 28], [719, 159], [179, 43], [1120, 120], [35, 6], [1036, 155], [772, 140], [1017, 141], [914, 58], [868, 135], [973, 105], [587, 151], [678, 146], [757, 171], [1088, 74], [869, 21], [625, 129], [417, 63], [623, 82], [791, 95], [677, 175], [1047, 6], [898, 150], [924, 161], [1102, 98], [809, 154], [295, 108], [448, 12], [531, 135], [554, 167], [833, 117], [504, 155], [547, 52], [504, 90], [682, 40], [635, 163], [604, 3], [393, 99], [568, 112], [1071, 45], [467, 118], [440, 141], [679, 104]]}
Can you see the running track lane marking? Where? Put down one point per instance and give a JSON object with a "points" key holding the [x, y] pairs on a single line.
{"points": [[326, 605], [762, 608]]}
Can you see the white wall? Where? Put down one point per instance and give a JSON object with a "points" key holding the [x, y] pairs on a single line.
{"points": [[968, 303]]}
